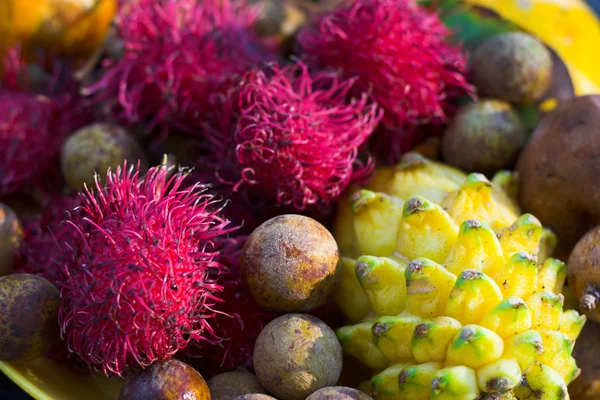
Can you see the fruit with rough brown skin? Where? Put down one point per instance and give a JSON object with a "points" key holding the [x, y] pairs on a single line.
{"points": [[296, 355], [587, 385], [338, 393], [254, 396], [11, 234], [559, 171], [290, 264], [486, 136], [29, 307], [584, 273], [231, 384], [167, 380], [515, 67]]}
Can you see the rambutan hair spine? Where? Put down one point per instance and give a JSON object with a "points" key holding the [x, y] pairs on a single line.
{"points": [[401, 51], [141, 284], [297, 136]]}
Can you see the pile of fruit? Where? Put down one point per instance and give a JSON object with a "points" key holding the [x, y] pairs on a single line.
{"points": [[262, 199]]}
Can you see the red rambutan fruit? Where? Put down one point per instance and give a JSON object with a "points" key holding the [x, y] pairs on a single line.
{"points": [[398, 50], [296, 140], [141, 285], [179, 58]]}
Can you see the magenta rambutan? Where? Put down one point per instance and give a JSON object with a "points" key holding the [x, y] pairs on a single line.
{"points": [[180, 58], [399, 50], [297, 137], [142, 283]]}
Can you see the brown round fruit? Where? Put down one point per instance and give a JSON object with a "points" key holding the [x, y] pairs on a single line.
{"points": [[231, 384], [29, 307], [11, 234], [254, 396], [96, 148], [290, 264], [587, 348], [515, 67], [485, 137], [559, 171], [338, 393], [296, 355], [584, 272], [167, 380]]}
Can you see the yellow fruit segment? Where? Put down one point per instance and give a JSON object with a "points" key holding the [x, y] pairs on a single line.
{"points": [[432, 338], [428, 286], [426, 230], [546, 310], [571, 324], [523, 348], [383, 282], [557, 353], [476, 248], [540, 382], [393, 336], [474, 347], [508, 318], [522, 236], [384, 385], [349, 295], [552, 275], [499, 376], [454, 383], [414, 382], [357, 341], [519, 277], [473, 296], [508, 181]]}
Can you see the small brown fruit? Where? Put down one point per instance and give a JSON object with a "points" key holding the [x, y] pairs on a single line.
{"points": [[167, 380], [96, 148], [255, 396], [587, 348], [338, 393], [290, 264], [485, 137], [584, 272], [231, 384], [11, 234], [29, 307], [295, 355], [515, 67]]}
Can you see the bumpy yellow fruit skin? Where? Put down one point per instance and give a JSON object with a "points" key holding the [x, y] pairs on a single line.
{"points": [[467, 305]]}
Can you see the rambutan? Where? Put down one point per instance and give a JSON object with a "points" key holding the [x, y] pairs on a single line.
{"points": [[296, 140], [179, 58], [141, 285], [399, 50]]}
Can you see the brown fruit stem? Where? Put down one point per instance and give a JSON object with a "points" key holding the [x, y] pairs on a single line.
{"points": [[588, 301]]}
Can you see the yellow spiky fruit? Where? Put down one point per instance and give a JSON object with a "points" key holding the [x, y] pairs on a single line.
{"points": [[467, 305]]}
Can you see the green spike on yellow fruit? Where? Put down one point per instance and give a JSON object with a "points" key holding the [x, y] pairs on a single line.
{"points": [[425, 230], [524, 348], [522, 236], [393, 336], [357, 341], [476, 248], [383, 282], [454, 383], [474, 346], [428, 286], [384, 385], [557, 355], [508, 318], [546, 310], [499, 376], [348, 294], [473, 296], [376, 221], [519, 277], [571, 324], [548, 243], [508, 181], [414, 382], [551, 276], [540, 382], [432, 338]]}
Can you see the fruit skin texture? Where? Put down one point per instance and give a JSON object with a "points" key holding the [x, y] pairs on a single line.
{"points": [[295, 355], [486, 136], [254, 396], [96, 148], [559, 170], [514, 67], [148, 244], [290, 264], [168, 380], [232, 384], [29, 308], [391, 45], [11, 236], [587, 385], [338, 393], [584, 272]]}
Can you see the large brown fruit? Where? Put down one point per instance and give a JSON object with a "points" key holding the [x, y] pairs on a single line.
{"points": [[11, 234], [587, 348], [167, 380], [231, 384], [584, 272], [338, 393], [290, 263], [29, 307], [559, 171]]}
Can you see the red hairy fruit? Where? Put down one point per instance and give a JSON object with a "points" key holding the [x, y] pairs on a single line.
{"points": [[141, 285], [179, 58], [398, 49], [297, 136]]}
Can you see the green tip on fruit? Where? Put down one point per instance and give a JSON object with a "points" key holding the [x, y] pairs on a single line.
{"points": [[361, 199]]}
